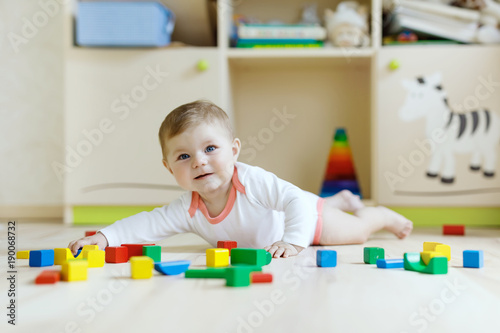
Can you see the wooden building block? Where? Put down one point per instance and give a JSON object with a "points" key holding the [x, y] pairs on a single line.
{"points": [[217, 257], [152, 251], [473, 258], [135, 250], [23, 254], [41, 258], [90, 233], [428, 255], [61, 255], [326, 258], [255, 257], [444, 249], [81, 254], [413, 262], [390, 263], [172, 267], [141, 267], [458, 229], [238, 276], [372, 254], [48, 277], [227, 244], [116, 254], [209, 273], [256, 277], [95, 258], [74, 270]]}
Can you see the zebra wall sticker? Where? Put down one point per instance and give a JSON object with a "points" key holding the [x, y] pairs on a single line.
{"points": [[476, 132]]}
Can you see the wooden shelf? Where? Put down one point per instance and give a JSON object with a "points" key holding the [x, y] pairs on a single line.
{"points": [[326, 52]]}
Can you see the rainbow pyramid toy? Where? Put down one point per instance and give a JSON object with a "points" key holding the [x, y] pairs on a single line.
{"points": [[340, 173]]}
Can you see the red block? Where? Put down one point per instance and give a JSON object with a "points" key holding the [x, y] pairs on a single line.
{"points": [[90, 233], [257, 277], [116, 254], [135, 249], [48, 277], [453, 229], [227, 245]]}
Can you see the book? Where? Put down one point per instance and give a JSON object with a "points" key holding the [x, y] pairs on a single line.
{"points": [[281, 43], [441, 9], [281, 31]]}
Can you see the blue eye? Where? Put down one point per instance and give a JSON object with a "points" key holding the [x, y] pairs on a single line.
{"points": [[183, 156], [210, 149]]}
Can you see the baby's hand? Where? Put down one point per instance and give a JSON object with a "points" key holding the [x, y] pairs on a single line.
{"points": [[283, 249], [97, 239]]}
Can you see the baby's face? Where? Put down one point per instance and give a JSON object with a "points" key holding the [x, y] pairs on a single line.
{"points": [[202, 158]]}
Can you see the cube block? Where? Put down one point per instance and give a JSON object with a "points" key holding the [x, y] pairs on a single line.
{"points": [[227, 245], [473, 258], [116, 254], [152, 251], [141, 267], [61, 255], [449, 229], [48, 277], [255, 257], [81, 254], [238, 276], [74, 270], [95, 258], [326, 258], [41, 258], [372, 254], [217, 257]]}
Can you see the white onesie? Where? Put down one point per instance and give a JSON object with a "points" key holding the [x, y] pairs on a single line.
{"points": [[261, 209]]}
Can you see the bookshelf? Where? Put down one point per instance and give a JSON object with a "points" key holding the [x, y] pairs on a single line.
{"points": [[320, 89]]}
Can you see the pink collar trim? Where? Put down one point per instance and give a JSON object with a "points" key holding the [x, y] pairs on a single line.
{"points": [[197, 202]]}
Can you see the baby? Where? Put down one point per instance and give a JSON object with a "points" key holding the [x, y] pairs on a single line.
{"points": [[230, 200]]}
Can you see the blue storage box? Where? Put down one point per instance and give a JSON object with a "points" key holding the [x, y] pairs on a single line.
{"points": [[142, 24]]}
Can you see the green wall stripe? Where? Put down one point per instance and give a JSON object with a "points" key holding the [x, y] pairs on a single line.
{"points": [[421, 216], [105, 214], [437, 216]]}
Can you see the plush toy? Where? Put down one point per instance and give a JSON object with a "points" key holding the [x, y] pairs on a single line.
{"points": [[348, 26]]}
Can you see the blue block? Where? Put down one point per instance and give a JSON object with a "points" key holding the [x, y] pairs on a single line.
{"points": [[172, 267], [473, 258], [41, 258], [390, 263], [141, 24], [326, 258]]}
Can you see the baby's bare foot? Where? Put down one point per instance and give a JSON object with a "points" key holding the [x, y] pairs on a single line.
{"points": [[396, 223], [346, 201]]}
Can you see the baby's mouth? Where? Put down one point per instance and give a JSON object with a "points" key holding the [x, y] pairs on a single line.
{"points": [[203, 176]]}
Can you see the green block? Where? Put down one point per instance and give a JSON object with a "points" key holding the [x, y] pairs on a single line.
{"points": [[152, 251], [372, 254], [209, 273], [254, 257], [238, 276], [414, 262]]}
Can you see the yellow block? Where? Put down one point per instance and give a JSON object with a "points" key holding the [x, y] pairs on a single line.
{"points": [[61, 255], [74, 270], [95, 258], [141, 267], [23, 255], [217, 257], [428, 255], [85, 249], [444, 249]]}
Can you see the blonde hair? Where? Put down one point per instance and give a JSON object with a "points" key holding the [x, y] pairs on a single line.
{"points": [[189, 115]]}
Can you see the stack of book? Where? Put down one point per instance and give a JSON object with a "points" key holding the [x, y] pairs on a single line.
{"points": [[436, 19], [283, 35]]}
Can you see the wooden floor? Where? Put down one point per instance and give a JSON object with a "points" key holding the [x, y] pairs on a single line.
{"points": [[352, 297]]}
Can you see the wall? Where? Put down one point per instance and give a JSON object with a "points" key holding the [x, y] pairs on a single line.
{"points": [[31, 105]]}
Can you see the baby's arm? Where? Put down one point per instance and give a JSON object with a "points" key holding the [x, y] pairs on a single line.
{"points": [[283, 249], [97, 239]]}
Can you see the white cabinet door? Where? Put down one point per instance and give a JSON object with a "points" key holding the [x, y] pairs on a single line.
{"points": [[115, 102], [438, 126]]}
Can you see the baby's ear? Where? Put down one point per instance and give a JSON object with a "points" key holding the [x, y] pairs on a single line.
{"points": [[236, 148], [165, 163]]}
